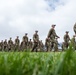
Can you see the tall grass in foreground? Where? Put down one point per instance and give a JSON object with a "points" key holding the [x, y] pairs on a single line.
{"points": [[27, 63]]}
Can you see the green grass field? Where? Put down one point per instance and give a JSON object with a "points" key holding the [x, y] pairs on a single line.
{"points": [[38, 63], [41, 63]]}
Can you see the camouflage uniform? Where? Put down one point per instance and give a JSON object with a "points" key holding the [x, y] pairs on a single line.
{"points": [[17, 43], [63, 46], [1, 45], [52, 35], [36, 41], [10, 44], [5, 45], [25, 39], [30, 44], [74, 42], [41, 45], [48, 44], [74, 28], [56, 45], [66, 39], [22, 46]]}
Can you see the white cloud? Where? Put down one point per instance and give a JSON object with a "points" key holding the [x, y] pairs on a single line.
{"points": [[20, 16]]}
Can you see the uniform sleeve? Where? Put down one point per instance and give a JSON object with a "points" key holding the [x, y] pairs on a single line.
{"points": [[50, 32], [55, 34]]}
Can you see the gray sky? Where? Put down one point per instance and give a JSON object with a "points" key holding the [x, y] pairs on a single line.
{"points": [[18, 17]]}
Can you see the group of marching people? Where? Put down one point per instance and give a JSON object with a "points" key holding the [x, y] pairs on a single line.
{"points": [[35, 45], [25, 45]]}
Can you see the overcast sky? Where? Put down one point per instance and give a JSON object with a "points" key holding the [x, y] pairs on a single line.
{"points": [[18, 17]]}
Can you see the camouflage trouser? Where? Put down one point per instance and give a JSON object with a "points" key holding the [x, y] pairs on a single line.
{"points": [[74, 45], [48, 46], [56, 47], [17, 47], [26, 45], [35, 47], [5, 48], [22, 48], [66, 44], [63, 46], [41, 48], [54, 44], [10, 48], [30, 47]]}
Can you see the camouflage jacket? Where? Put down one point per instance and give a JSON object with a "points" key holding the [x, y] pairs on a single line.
{"points": [[52, 33], [17, 41], [66, 38], [10, 42], [25, 39], [36, 38]]}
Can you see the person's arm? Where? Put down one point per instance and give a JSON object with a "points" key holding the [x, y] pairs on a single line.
{"points": [[50, 32]]}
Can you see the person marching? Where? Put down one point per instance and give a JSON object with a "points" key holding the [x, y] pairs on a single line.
{"points": [[66, 39], [47, 44], [52, 35], [25, 40], [10, 44], [36, 41]]}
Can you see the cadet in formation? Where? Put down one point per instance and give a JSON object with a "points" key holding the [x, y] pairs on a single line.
{"points": [[56, 45], [5, 45], [25, 41], [52, 35], [41, 46], [48, 44], [1, 45], [30, 44], [66, 40], [17, 43], [36, 41], [10, 44]]}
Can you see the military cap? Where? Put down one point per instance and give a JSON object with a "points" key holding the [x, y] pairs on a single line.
{"points": [[10, 38], [36, 31], [26, 34], [53, 25], [17, 36], [67, 31]]}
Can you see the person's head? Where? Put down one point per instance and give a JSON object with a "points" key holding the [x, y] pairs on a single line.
{"points": [[10, 38], [30, 39], [67, 32], [36, 31], [26, 34], [53, 26], [17, 37]]}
